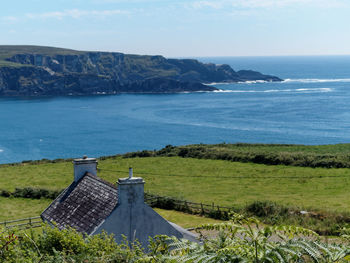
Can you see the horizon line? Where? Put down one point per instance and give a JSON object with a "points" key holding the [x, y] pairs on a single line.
{"points": [[180, 56]]}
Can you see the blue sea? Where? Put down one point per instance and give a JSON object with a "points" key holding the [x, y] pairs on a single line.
{"points": [[312, 106]]}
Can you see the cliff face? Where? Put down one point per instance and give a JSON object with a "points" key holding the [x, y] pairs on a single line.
{"points": [[50, 71], [33, 81]]}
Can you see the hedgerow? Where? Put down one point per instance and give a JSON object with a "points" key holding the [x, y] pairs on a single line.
{"points": [[254, 153], [31, 192]]}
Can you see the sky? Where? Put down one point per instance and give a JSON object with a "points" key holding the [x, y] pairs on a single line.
{"points": [[181, 28]]}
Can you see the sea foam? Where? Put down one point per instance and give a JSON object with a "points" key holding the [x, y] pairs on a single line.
{"points": [[286, 80], [239, 82], [275, 90], [316, 80], [253, 81]]}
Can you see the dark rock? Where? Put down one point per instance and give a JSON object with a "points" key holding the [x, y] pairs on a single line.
{"points": [[250, 75], [162, 85]]}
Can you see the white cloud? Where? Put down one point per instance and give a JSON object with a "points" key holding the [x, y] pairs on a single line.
{"points": [[252, 4], [75, 13]]}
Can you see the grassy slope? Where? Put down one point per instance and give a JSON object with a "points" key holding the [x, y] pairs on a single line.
{"points": [[223, 182], [232, 183], [8, 51], [17, 208], [185, 220]]}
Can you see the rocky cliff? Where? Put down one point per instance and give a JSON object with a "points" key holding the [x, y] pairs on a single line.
{"points": [[33, 70]]}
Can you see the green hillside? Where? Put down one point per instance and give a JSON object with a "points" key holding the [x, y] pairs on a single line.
{"points": [[7, 51]]}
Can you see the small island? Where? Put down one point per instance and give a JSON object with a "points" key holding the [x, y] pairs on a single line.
{"points": [[49, 71]]}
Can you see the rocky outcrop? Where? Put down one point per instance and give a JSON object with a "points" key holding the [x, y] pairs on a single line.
{"points": [[32, 81], [250, 75], [162, 85], [50, 71]]}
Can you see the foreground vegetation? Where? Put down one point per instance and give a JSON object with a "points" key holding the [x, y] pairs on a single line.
{"points": [[239, 240]]}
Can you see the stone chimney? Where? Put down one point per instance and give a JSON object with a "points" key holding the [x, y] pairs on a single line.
{"points": [[83, 165], [131, 190]]}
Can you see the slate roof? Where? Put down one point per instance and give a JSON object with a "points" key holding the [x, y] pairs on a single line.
{"points": [[83, 205]]}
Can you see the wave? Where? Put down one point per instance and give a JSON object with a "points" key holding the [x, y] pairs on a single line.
{"points": [[275, 90], [1, 150], [218, 83], [253, 81], [284, 81], [235, 82], [316, 80]]}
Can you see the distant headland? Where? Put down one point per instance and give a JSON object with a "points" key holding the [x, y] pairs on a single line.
{"points": [[49, 71]]}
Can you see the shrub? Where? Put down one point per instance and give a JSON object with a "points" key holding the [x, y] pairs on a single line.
{"points": [[66, 245], [165, 203], [266, 209], [5, 193], [30, 192]]}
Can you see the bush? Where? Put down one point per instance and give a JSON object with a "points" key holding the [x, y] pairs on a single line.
{"points": [[219, 215], [164, 203], [66, 245], [266, 209], [34, 193], [5, 193]]}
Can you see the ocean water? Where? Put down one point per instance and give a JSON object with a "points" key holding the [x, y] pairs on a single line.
{"points": [[312, 106]]}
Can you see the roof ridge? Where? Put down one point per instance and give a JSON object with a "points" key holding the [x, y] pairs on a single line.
{"points": [[95, 177]]}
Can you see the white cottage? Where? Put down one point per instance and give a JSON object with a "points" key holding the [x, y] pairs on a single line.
{"points": [[91, 205]]}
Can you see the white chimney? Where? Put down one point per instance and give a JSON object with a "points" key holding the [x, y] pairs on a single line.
{"points": [[84, 165], [130, 172], [131, 190]]}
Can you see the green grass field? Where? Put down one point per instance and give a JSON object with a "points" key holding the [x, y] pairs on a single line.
{"points": [[18, 208], [8, 51], [222, 182]]}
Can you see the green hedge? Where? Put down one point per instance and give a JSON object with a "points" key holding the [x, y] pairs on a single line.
{"points": [[30, 192], [251, 153]]}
